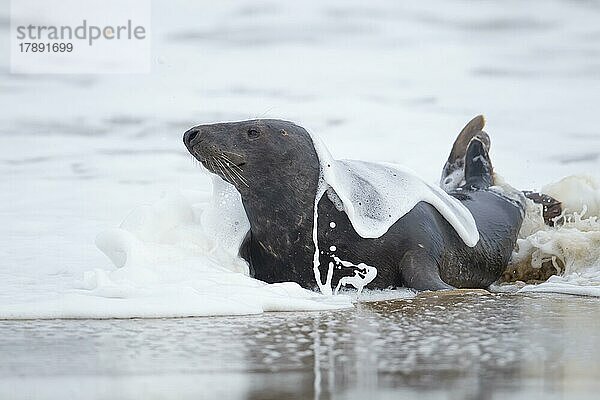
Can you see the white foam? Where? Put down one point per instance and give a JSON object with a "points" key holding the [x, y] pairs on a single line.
{"points": [[572, 246], [176, 258], [583, 284], [363, 275], [576, 192]]}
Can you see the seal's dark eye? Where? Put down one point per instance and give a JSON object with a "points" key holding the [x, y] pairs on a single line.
{"points": [[253, 133]]}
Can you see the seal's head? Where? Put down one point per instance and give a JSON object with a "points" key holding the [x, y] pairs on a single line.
{"points": [[257, 156], [274, 166]]}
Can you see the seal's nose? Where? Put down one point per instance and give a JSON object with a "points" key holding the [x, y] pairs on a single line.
{"points": [[189, 136]]}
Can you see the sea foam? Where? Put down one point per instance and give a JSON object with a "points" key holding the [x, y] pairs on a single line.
{"points": [[572, 246], [176, 258]]}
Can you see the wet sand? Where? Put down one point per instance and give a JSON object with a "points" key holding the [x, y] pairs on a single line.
{"points": [[458, 345]]}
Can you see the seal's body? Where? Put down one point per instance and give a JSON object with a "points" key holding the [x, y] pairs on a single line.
{"points": [[274, 166]]}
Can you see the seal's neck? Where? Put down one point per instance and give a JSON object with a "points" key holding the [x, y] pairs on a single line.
{"points": [[276, 212], [281, 224]]}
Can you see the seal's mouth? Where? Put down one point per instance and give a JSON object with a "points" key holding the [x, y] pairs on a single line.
{"points": [[237, 159], [227, 165]]}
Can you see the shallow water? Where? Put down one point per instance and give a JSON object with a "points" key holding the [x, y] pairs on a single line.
{"points": [[444, 345]]}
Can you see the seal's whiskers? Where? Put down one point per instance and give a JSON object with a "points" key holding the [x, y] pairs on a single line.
{"points": [[228, 176], [228, 165], [241, 178], [218, 166], [213, 165], [234, 165], [225, 175]]}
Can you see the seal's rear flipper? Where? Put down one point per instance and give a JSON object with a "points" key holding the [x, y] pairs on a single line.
{"points": [[453, 174], [479, 173], [420, 271], [551, 208]]}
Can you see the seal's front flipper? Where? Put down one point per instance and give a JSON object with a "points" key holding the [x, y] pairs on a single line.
{"points": [[245, 252], [479, 173], [453, 174], [420, 271]]}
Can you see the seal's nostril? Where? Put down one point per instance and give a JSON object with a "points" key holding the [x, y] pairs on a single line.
{"points": [[190, 135]]}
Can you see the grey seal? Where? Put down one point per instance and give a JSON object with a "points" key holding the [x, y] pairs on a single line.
{"points": [[274, 166]]}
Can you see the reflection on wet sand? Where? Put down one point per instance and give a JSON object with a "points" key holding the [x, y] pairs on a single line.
{"points": [[462, 345]]}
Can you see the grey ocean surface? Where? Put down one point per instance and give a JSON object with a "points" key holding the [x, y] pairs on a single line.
{"points": [[384, 80]]}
